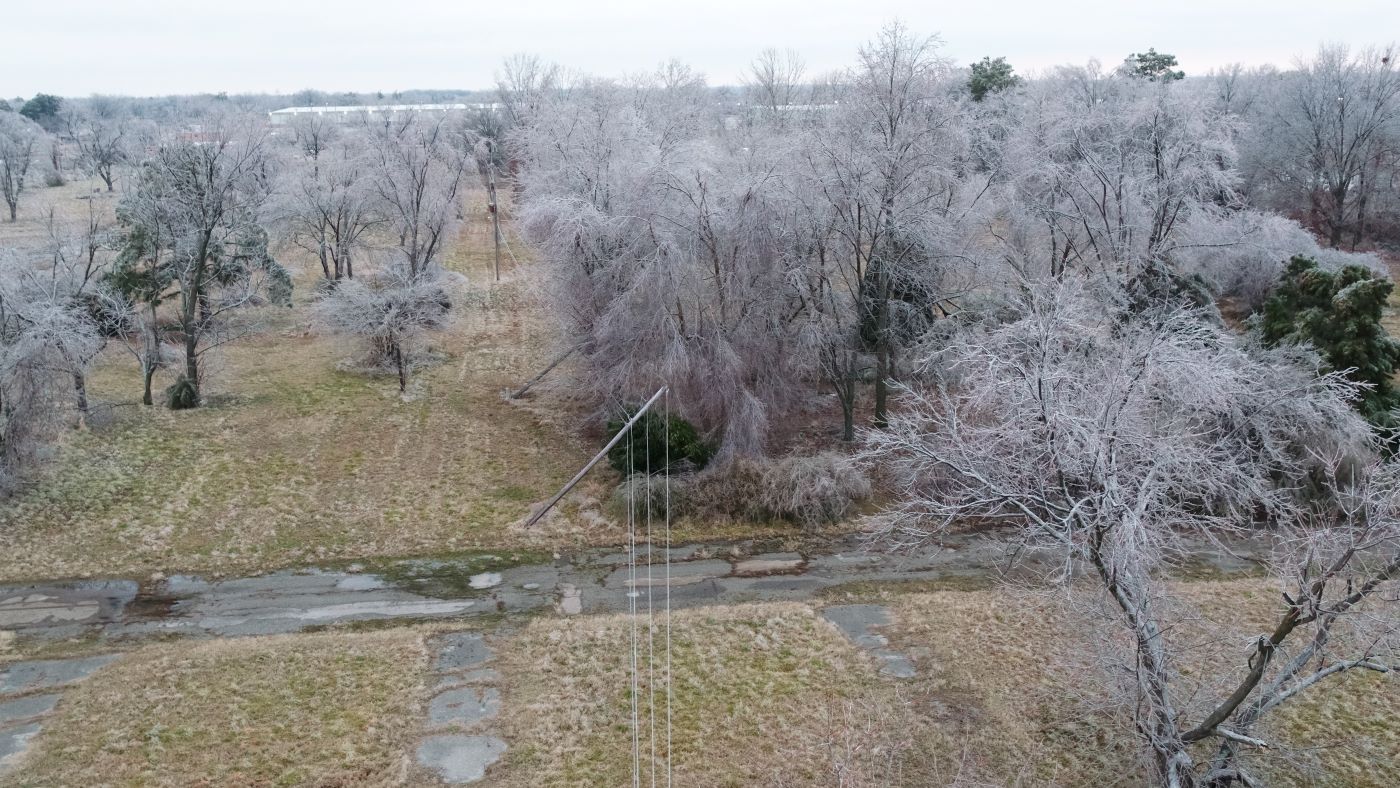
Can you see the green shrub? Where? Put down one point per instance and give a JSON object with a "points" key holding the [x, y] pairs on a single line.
{"points": [[653, 442]]}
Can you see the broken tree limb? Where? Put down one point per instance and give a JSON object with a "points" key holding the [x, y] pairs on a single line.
{"points": [[559, 359]]}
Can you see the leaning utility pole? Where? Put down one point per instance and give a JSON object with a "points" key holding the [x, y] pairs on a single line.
{"points": [[494, 205], [578, 477]]}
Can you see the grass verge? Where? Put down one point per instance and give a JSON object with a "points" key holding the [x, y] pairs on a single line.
{"points": [[757, 691], [324, 709]]}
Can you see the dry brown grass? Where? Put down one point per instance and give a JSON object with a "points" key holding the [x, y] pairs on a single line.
{"points": [[69, 204], [1007, 694], [325, 709], [756, 691], [1010, 672]]}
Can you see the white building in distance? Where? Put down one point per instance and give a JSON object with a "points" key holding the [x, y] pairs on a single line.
{"points": [[359, 112]]}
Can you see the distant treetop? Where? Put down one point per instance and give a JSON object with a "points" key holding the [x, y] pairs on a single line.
{"points": [[991, 75], [42, 109], [1153, 66]]}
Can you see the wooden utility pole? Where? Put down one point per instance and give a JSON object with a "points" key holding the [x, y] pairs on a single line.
{"points": [[494, 205], [578, 477]]}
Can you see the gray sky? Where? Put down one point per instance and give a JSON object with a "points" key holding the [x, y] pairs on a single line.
{"points": [[150, 47]]}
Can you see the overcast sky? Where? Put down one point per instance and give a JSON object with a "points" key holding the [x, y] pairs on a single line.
{"points": [[150, 47]]}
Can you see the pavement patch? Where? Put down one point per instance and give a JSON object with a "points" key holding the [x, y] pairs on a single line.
{"points": [[459, 759], [42, 674], [465, 706], [466, 697], [858, 623]]}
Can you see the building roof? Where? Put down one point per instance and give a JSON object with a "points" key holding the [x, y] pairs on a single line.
{"points": [[349, 109]]}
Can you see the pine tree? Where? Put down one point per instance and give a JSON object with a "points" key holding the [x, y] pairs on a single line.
{"points": [[1339, 313]]}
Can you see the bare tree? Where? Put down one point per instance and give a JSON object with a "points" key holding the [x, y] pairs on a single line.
{"points": [[102, 143], [78, 258], [392, 311], [1109, 187], [328, 205], [417, 166], [313, 134], [774, 84], [45, 339], [19, 138], [1327, 131], [1112, 442], [888, 165], [522, 85]]}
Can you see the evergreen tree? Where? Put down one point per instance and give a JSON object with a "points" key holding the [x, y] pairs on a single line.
{"points": [[1339, 313], [991, 75], [43, 110], [1153, 66]]}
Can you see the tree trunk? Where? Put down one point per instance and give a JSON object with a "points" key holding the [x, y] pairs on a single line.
{"points": [[403, 373], [882, 393], [1359, 229], [150, 357], [848, 413], [80, 389], [845, 384], [192, 363], [1338, 218], [1156, 714], [148, 372]]}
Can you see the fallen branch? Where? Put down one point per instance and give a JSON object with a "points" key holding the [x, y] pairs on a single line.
{"points": [[559, 359], [1226, 733]]}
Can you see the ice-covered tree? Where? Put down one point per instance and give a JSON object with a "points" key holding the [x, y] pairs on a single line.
{"points": [[415, 169], [1324, 147], [19, 143], [192, 224], [327, 204], [46, 339], [1112, 444]]}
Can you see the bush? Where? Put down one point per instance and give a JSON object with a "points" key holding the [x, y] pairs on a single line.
{"points": [[652, 442], [810, 491], [53, 178], [813, 491], [733, 491], [643, 489], [1242, 255]]}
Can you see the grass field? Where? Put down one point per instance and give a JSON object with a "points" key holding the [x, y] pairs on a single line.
{"points": [[764, 694], [324, 709], [1009, 671], [297, 460], [756, 693], [1006, 695]]}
